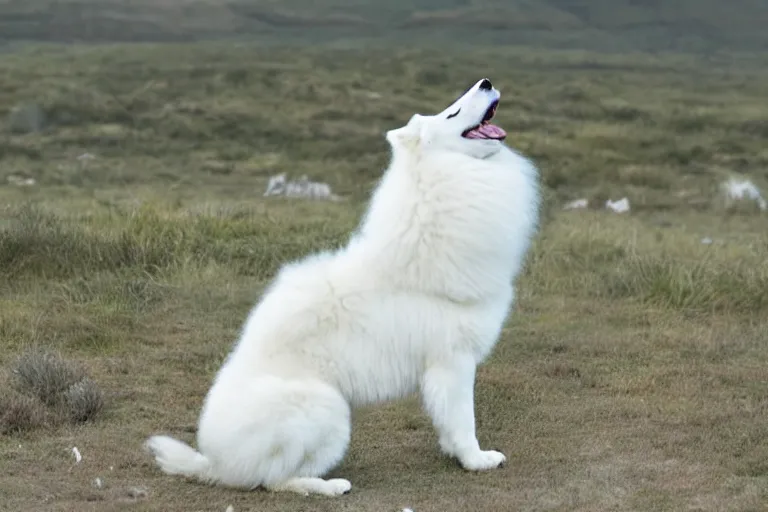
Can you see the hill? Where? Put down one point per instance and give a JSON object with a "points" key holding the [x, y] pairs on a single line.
{"points": [[616, 25]]}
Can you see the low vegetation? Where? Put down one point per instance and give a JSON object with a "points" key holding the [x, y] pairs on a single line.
{"points": [[47, 390]]}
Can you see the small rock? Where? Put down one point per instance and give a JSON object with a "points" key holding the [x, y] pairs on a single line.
{"points": [[576, 204], [86, 156], [230, 509], [98, 483], [279, 185], [276, 185], [77, 455], [138, 493], [20, 182], [740, 190], [620, 206], [706, 240]]}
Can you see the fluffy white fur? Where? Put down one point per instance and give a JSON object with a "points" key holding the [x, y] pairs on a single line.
{"points": [[414, 302]]}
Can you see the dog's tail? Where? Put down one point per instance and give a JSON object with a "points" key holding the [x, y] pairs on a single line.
{"points": [[177, 458]]}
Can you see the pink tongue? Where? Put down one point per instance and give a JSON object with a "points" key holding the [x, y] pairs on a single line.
{"points": [[487, 131]]}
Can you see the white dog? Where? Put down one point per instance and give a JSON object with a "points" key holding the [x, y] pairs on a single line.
{"points": [[414, 302]]}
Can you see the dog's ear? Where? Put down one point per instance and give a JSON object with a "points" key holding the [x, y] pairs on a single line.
{"points": [[409, 135]]}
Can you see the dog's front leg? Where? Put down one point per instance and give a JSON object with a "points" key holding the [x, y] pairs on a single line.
{"points": [[448, 394]]}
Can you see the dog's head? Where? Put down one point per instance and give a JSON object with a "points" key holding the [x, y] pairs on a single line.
{"points": [[463, 127]]}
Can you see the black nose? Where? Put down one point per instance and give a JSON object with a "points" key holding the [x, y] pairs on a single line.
{"points": [[486, 85]]}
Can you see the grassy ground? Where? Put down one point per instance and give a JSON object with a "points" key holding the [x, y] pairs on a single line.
{"points": [[632, 376]]}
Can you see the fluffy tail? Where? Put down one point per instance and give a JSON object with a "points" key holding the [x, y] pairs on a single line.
{"points": [[177, 458]]}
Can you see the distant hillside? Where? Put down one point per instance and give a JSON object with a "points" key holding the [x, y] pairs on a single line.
{"points": [[697, 25]]}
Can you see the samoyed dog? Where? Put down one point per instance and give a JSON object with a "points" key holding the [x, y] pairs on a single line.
{"points": [[413, 303]]}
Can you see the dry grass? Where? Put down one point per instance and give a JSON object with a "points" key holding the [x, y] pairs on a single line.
{"points": [[20, 413], [632, 376], [48, 390], [46, 376], [83, 400]]}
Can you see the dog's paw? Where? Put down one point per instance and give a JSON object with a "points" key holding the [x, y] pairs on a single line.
{"points": [[481, 461], [337, 487]]}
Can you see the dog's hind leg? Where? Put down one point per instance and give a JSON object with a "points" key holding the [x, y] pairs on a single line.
{"points": [[308, 485], [276, 433], [320, 430]]}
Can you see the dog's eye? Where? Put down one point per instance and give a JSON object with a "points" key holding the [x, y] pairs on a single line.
{"points": [[454, 114]]}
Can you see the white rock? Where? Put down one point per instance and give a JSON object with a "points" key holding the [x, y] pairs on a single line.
{"points": [[620, 206], [98, 483], [279, 185], [138, 492], [706, 240], [740, 189], [20, 182], [276, 185], [576, 204], [77, 455]]}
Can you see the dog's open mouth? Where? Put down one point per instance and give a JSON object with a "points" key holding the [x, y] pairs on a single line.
{"points": [[486, 130]]}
